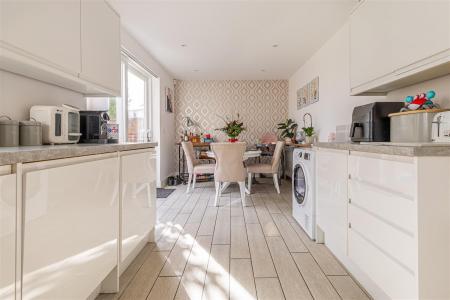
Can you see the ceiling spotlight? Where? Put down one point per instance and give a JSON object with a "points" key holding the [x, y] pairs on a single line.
{"points": [[263, 70], [275, 45], [183, 45], [195, 70]]}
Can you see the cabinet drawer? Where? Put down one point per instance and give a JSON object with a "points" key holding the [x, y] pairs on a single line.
{"points": [[396, 281], [398, 245], [396, 175], [384, 204]]}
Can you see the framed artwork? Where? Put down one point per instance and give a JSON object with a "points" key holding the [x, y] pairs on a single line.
{"points": [[308, 94], [169, 100], [314, 90]]}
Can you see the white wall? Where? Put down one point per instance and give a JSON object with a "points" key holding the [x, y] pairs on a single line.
{"points": [[163, 122], [331, 64], [18, 94]]}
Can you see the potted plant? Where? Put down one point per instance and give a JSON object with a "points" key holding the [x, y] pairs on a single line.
{"points": [[288, 129], [233, 129], [309, 134]]}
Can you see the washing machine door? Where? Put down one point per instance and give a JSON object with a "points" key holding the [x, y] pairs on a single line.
{"points": [[299, 183]]}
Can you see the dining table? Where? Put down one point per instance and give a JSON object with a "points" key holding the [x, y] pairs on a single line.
{"points": [[247, 155]]}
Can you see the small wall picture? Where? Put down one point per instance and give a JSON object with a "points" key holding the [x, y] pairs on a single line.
{"points": [[314, 90], [308, 94], [169, 98], [299, 99]]}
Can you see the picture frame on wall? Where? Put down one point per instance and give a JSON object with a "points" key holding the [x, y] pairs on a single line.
{"points": [[308, 94], [169, 100], [314, 90]]}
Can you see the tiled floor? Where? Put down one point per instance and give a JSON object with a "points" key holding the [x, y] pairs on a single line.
{"points": [[231, 252]]}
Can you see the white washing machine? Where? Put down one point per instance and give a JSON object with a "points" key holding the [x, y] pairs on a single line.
{"points": [[303, 194]]}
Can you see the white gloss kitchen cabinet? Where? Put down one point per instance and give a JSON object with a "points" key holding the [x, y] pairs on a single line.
{"points": [[46, 31], [138, 182], [398, 233], [74, 44], [70, 226], [7, 233], [100, 45], [389, 49], [331, 195]]}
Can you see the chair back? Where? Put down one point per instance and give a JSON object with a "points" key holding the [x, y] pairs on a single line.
{"points": [[276, 158], [191, 161], [229, 161]]}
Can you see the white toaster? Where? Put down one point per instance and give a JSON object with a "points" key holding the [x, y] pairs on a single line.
{"points": [[60, 124], [440, 132]]}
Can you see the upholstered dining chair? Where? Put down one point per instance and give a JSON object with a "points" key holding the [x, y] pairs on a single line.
{"points": [[271, 168], [194, 166], [229, 166]]}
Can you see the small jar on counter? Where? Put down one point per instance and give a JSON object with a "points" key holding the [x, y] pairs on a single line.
{"points": [[30, 133], [9, 132]]}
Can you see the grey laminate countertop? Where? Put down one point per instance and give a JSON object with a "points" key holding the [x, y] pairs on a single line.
{"points": [[13, 155], [402, 149]]}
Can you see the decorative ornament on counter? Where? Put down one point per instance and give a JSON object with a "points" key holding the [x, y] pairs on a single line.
{"points": [[420, 101]]}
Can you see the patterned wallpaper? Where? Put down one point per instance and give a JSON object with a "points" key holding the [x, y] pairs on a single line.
{"points": [[261, 104]]}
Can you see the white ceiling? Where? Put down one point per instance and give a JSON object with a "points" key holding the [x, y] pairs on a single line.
{"points": [[232, 39]]}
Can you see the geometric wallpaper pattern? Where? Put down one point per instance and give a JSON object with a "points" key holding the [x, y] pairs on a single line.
{"points": [[261, 104]]}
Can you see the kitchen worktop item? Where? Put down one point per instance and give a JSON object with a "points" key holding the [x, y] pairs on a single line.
{"points": [[441, 127], [370, 122], [9, 132], [30, 133], [413, 126]]}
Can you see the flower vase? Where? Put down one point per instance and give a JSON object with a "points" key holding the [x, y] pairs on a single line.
{"points": [[232, 139]]}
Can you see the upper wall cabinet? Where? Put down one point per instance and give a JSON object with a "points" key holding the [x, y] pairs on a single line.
{"points": [[74, 44], [398, 43], [48, 31], [100, 44]]}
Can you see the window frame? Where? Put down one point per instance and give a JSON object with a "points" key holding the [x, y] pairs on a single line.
{"points": [[130, 65]]}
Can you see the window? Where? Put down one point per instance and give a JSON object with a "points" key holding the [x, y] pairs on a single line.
{"points": [[133, 110], [136, 95]]}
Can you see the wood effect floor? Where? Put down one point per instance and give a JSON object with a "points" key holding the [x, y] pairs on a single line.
{"points": [[233, 252]]}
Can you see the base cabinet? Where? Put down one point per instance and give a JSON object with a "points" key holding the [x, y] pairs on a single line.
{"points": [[398, 220], [138, 183], [7, 236], [70, 226], [331, 195]]}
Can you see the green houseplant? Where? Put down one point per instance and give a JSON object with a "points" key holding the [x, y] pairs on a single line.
{"points": [[309, 134], [288, 129], [233, 128]]}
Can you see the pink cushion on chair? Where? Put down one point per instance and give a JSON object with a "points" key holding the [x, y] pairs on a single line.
{"points": [[269, 138]]}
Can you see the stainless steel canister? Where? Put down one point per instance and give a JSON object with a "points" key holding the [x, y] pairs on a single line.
{"points": [[9, 132], [412, 126], [30, 133]]}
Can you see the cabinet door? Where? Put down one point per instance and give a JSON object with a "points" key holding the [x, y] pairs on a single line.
{"points": [[421, 29], [100, 45], [371, 43], [7, 236], [48, 31], [70, 227], [331, 197], [138, 199]]}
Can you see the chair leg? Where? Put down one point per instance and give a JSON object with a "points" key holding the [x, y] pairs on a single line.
{"points": [[216, 200], [193, 182], [242, 189], [249, 184], [275, 182], [189, 183]]}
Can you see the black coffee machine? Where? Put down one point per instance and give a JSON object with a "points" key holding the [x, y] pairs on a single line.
{"points": [[370, 122], [93, 126]]}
